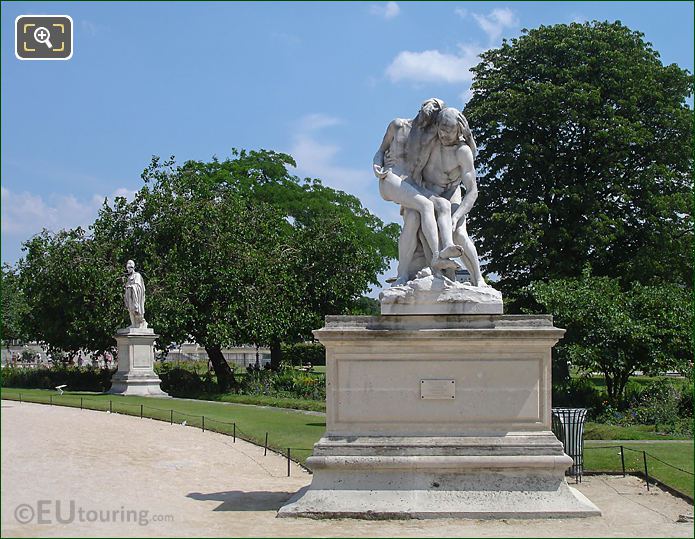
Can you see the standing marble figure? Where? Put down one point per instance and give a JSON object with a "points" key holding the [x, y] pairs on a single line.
{"points": [[135, 374], [135, 296]]}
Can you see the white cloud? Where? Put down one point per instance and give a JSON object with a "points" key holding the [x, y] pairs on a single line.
{"points": [[90, 27], [434, 66], [313, 122], [317, 157], [25, 214], [495, 22], [461, 12], [466, 96], [387, 11], [128, 194]]}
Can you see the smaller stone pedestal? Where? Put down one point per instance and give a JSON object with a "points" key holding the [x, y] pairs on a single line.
{"points": [[135, 374]]}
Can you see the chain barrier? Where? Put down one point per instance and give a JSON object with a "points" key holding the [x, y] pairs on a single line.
{"points": [[141, 408]]}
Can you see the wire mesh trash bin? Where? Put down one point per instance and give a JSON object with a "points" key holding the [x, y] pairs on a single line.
{"points": [[568, 426]]}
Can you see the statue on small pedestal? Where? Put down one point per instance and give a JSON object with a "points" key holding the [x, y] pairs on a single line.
{"points": [[135, 374]]}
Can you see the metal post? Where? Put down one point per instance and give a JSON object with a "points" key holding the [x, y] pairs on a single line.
{"points": [[171, 417], [20, 398], [110, 406], [622, 458], [234, 433], [50, 400], [288, 462], [265, 448], [646, 471], [81, 407], [141, 410], [202, 423]]}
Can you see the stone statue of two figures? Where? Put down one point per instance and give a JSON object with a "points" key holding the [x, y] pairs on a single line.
{"points": [[421, 165]]}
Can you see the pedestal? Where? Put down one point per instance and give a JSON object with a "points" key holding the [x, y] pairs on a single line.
{"points": [[135, 374], [438, 416]]}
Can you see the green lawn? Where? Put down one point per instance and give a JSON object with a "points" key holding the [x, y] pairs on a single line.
{"points": [[602, 431], [598, 457], [285, 428]]}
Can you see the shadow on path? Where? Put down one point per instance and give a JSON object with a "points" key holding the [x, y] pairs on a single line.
{"points": [[238, 500]]}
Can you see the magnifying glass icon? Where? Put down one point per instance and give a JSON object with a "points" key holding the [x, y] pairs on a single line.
{"points": [[42, 35]]}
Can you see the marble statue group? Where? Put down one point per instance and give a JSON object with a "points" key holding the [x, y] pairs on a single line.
{"points": [[421, 165]]}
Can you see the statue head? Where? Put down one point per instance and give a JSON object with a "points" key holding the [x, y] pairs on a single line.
{"points": [[130, 267], [429, 110], [453, 128]]}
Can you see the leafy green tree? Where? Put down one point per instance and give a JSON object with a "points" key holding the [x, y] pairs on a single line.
{"points": [[367, 306], [585, 157], [241, 252], [617, 332], [73, 297], [14, 307]]}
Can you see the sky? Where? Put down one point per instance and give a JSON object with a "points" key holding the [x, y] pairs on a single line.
{"points": [[318, 80]]}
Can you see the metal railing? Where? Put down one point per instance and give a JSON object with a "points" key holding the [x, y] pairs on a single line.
{"points": [[170, 415]]}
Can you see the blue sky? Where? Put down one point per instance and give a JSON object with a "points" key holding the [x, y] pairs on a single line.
{"points": [[318, 80]]}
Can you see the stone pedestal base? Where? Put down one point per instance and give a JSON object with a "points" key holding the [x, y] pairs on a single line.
{"points": [[135, 374], [438, 416], [427, 294]]}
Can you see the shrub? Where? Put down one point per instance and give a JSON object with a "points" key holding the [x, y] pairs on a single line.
{"points": [[76, 378], [303, 353], [285, 383], [180, 382], [658, 404]]}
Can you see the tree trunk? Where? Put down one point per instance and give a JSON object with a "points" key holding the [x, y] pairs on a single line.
{"points": [[225, 376], [275, 356]]}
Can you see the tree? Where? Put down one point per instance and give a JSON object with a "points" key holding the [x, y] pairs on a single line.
{"points": [[241, 252], [73, 296], [585, 156], [616, 332], [14, 307], [367, 306]]}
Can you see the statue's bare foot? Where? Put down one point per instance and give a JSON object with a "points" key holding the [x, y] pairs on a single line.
{"points": [[453, 251], [439, 263], [482, 284]]}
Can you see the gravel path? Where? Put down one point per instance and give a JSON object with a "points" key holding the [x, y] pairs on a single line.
{"points": [[139, 477]]}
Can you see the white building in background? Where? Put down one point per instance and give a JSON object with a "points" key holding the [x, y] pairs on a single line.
{"points": [[463, 275]]}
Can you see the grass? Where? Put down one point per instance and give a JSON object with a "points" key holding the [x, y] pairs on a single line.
{"points": [[598, 457], [286, 428], [602, 431], [599, 382]]}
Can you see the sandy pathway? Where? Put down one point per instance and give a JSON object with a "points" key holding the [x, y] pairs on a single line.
{"points": [[139, 477]]}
